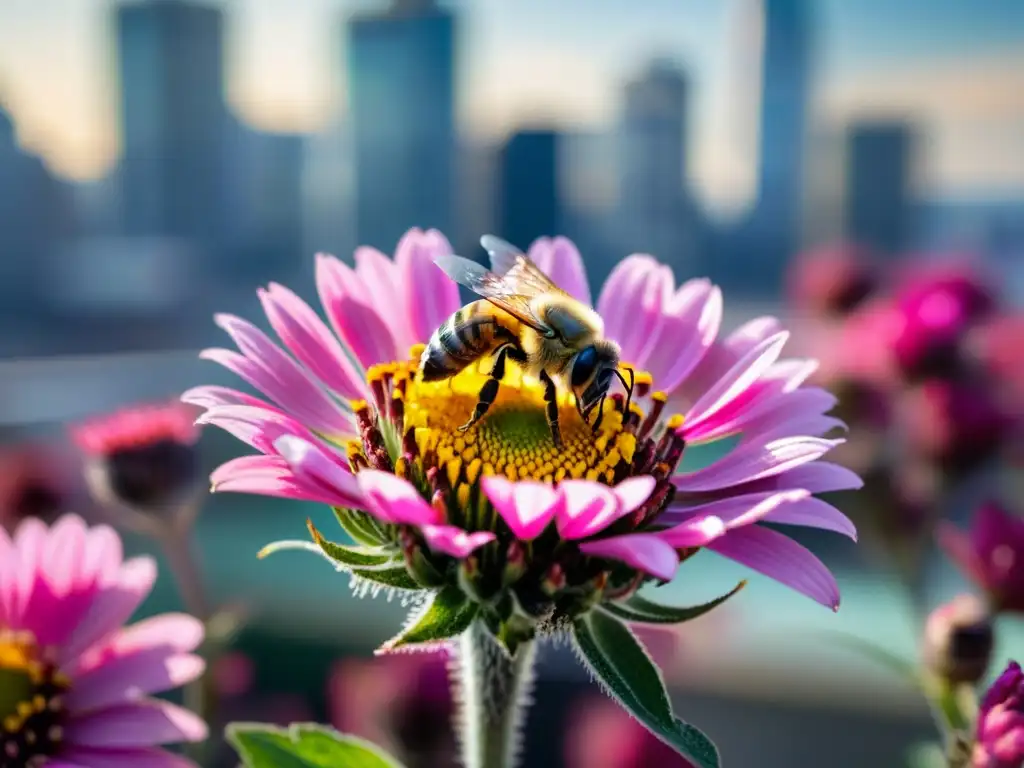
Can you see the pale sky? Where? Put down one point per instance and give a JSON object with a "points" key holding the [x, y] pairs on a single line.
{"points": [[956, 66]]}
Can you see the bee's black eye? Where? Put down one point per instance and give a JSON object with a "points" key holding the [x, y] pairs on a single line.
{"points": [[584, 366]]}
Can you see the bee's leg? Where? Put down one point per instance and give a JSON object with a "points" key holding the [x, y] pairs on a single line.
{"points": [[489, 391], [600, 413], [551, 400]]}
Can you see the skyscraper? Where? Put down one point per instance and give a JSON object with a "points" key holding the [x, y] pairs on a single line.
{"points": [[401, 68], [173, 119], [529, 204], [656, 212], [877, 199]]}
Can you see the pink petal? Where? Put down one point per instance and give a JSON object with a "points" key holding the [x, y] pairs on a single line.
{"points": [[697, 532], [267, 476], [747, 463], [322, 470], [560, 260], [140, 724], [256, 426], [277, 375], [527, 507], [112, 606], [588, 509], [643, 551], [736, 381], [691, 323], [129, 678], [121, 758], [350, 308], [632, 304], [382, 280], [633, 492], [393, 500], [309, 339], [816, 477], [454, 541], [428, 295], [213, 396], [814, 513], [178, 631], [752, 333], [780, 558]]}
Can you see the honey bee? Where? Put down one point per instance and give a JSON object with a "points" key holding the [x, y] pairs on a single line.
{"points": [[526, 318]]}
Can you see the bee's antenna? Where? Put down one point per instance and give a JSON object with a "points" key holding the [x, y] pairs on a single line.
{"points": [[629, 387]]}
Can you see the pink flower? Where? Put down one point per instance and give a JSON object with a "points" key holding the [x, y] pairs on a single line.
{"points": [[832, 280], [144, 457], [991, 554], [601, 735], [604, 513], [31, 485], [1000, 730], [74, 677]]}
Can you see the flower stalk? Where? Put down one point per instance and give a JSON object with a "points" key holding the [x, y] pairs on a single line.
{"points": [[494, 691]]}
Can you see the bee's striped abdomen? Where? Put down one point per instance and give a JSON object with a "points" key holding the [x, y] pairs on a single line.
{"points": [[472, 332]]}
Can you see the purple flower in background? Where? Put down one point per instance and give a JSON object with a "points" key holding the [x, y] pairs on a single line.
{"points": [[32, 484], [936, 309], [601, 735], [833, 280], [1000, 730], [991, 554]]}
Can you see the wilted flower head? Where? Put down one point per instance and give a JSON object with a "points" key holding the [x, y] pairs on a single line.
{"points": [[1000, 731], [143, 458], [936, 309], [832, 280], [31, 485], [958, 640], [74, 683], [991, 554], [533, 534]]}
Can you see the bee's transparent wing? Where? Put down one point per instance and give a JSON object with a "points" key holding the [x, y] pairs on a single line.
{"points": [[516, 268], [493, 287]]}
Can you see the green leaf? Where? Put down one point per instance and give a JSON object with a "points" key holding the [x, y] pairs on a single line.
{"points": [[304, 745], [449, 614], [395, 577], [617, 659], [350, 557], [643, 611], [360, 526]]}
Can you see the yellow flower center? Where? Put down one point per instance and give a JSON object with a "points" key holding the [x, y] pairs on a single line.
{"points": [[31, 706], [513, 438]]}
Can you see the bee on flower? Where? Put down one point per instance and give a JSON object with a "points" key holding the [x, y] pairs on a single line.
{"points": [[485, 457]]}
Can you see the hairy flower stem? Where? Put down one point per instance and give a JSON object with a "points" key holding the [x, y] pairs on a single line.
{"points": [[494, 692]]}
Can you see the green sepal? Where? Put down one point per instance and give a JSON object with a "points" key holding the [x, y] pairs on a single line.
{"points": [[350, 557], [642, 611], [395, 577], [304, 745], [620, 663], [448, 615], [360, 526]]}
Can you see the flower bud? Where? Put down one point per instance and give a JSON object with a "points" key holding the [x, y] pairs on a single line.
{"points": [[958, 640], [991, 554], [999, 739]]}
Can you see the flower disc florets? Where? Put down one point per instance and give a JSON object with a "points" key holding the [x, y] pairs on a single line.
{"points": [[31, 700]]}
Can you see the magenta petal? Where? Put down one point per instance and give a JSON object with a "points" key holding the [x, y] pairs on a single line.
{"points": [[312, 463], [816, 477], [813, 513], [780, 558], [696, 532], [256, 426], [633, 492], [632, 305], [120, 758], [643, 551], [527, 507], [129, 678], [454, 541], [213, 396], [691, 323], [140, 724], [309, 339], [429, 296], [267, 476], [747, 463], [560, 260], [394, 500], [588, 509]]}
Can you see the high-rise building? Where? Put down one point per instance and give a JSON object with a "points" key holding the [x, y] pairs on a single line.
{"points": [[173, 119], [656, 213], [401, 68], [877, 198], [529, 204]]}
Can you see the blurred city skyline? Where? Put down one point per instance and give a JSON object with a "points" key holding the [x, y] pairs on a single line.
{"points": [[959, 77]]}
